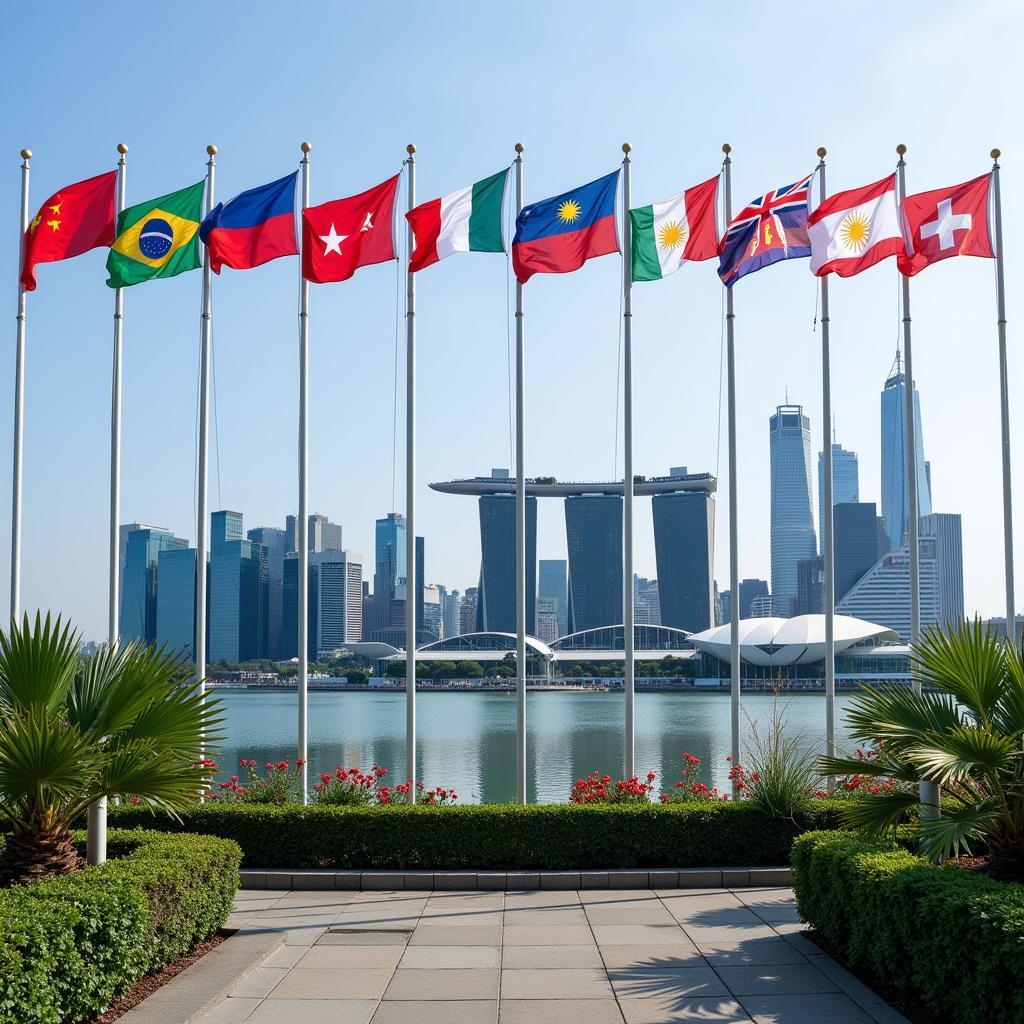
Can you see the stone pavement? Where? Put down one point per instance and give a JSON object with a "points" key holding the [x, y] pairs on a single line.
{"points": [[597, 956]]}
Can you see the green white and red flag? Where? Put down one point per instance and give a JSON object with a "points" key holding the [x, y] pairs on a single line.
{"points": [[468, 220]]}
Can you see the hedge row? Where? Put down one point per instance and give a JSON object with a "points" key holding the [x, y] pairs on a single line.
{"points": [[70, 946], [497, 836], [950, 940]]}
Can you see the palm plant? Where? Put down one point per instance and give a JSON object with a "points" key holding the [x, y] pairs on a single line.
{"points": [[126, 723], [967, 738]]}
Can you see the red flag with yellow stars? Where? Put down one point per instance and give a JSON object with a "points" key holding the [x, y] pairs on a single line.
{"points": [[72, 221]]}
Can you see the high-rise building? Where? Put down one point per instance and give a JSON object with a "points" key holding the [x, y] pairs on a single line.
{"points": [[336, 609], [894, 471], [139, 581], [750, 590], [845, 483], [725, 602], [290, 608], [239, 598], [763, 606], [882, 595], [322, 534], [389, 569], [467, 621], [810, 586], [684, 544], [451, 615], [792, 525], [176, 600], [856, 543], [496, 601], [646, 602], [431, 620], [553, 584], [593, 532], [945, 529], [421, 577], [274, 540], [719, 619], [547, 619], [122, 537]]}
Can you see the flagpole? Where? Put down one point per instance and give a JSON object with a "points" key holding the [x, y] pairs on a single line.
{"points": [[411, 582], [1004, 405], [302, 525], [19, 399], [828, 538], [202, 515], [520, 517], [629, 680], [96, 819], [734, 561], [928, 791]]}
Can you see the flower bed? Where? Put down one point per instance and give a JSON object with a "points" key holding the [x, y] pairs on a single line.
{"points": [[71, 945], [945, 938], [498, 836]]}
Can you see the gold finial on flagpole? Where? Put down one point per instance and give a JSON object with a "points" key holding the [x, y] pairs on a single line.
{"points": [[726, 148], [26, 154], [410, 149], [212, 150], [626, 148], [901, 149], [995, 154], [520, 147], [122, 148], [822, 151], [306, 147]]}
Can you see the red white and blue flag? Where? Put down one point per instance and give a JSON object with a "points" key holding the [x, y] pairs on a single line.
{"points": [[771, 228], [253, 228], [558, 235]]}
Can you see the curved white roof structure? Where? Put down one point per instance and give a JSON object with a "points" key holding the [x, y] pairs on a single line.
{"points": [[793, 641]]}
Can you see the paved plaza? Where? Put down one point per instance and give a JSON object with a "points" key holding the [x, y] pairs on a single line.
{"points": [[541, 957]]}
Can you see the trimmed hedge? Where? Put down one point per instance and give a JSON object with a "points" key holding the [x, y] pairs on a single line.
{"points": [[497, 836], [70, 946], [950, 940]]}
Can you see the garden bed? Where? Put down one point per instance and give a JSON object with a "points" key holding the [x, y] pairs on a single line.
{"points": [[70, 946], [939, 937], [498, 837]]}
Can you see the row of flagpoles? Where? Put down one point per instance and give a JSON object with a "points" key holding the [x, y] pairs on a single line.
{"points": [[549, 240]]}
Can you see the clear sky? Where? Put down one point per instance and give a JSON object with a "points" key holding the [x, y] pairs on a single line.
{"points": [[465, 81]]}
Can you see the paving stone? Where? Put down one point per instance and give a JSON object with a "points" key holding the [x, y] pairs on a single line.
{"points": [[676, 1010], [313, 1011], [337, 983], [559, 1011], [560, 880], [541, 900], [782, 979], [757, 952], [556, 983], [805, 1009], [414, 1011], [546, 916], [261, 982], [547, 935], [616, 895], [651, 957], [363, 938], [456, 935], [638, 934], [233, 1010], [286, 956], [639, 912], [334, 957], [593, 879], [450, 957], [549, 957], [474, 983], [682, 982], [867, 1000]]}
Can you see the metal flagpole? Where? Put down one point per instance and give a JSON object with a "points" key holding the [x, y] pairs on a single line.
{"points": [[202, 515], [96, 834], [302, 523], [629, 681], [411, 582], [928, 791], [827, 540], [1004, 405], [19, 399], [520, 519], [734, 561]]}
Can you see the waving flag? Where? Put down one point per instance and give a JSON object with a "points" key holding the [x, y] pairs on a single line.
{"points": [[771, 228], [668, 234], [946, 222], [851, 231], [255, 227], [559, 235]]}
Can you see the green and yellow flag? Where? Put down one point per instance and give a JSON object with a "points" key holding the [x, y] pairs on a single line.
{"points": [[157, 239]]}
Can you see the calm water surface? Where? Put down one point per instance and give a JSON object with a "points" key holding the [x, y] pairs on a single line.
{"points": [[467, 740]]}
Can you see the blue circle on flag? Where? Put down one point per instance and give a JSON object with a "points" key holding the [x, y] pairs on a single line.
{"points": [[156, 238]]}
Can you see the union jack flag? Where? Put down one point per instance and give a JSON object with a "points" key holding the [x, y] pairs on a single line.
{"points": [[771, 228]]}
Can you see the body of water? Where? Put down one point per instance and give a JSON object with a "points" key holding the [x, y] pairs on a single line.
{"points": [[467, 740]]}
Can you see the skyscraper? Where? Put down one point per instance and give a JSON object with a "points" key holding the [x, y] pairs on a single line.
{"points": [[547, 619], [554, 586], [945, 529], [337, 604], [451, 615], [323, 535], [389, 568], [467, 620], [139, 581], [792, 525], [290, 608], [496, 601], [845, 483], [810, 586], [856, 543], [593, 532], [238, 592], [750, 590], [274, 540], [684, 543], [421, 579], [894, 471], [176, 600]]}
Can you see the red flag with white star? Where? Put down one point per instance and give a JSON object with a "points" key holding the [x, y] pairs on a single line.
{"points": [[946, 222], [74, 220], [343, 235]]}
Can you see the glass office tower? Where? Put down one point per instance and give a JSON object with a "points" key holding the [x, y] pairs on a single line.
{"points": [[845, 483], [553, 586], [176, 600], [139, 581], [684, 543], [593, 533], [239, 592], [496, 597]]}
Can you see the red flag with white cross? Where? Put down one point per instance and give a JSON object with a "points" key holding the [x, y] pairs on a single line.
{"points": [[946, 222]]}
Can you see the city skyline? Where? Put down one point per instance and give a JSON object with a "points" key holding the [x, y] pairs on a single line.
{"points": [[572, 322]]}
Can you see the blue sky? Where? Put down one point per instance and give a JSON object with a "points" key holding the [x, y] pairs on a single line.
{"points": [[466, 81]]}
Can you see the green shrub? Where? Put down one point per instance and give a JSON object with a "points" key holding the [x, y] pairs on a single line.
{"points": [[950, 940], [71, 945], [497, 836]]}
